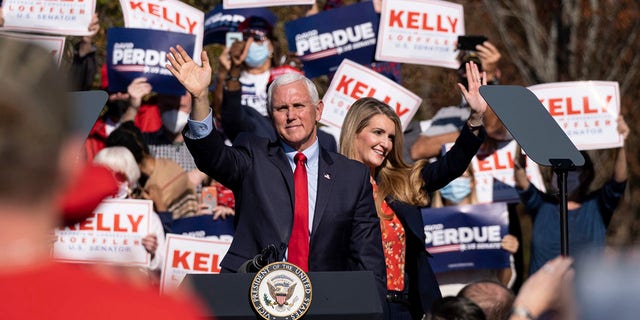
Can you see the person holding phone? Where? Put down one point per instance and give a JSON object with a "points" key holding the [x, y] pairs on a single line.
{"points": [[256, 49], [446, 123]]}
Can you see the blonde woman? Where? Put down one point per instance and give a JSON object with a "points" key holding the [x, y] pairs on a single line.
{"points": [[370, 133]]}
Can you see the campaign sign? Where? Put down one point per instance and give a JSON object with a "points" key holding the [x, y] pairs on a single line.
{"points": [[466, 237], [112, 234], [70, 17], [173, 16], [54, 45], [133, 53], [420, 32], [587, 111], [203, 226], [190, 255], [232, 4], [323, 40], [493, 175], [353, 81], [219, 21]]}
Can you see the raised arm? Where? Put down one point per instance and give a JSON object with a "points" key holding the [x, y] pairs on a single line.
{"points": [[472, 96], [430, 146], [620, 167], [194, 78], [519, 172], [137, 89]]}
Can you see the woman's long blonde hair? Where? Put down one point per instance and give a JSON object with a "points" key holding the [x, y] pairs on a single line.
{"points": [[396, 179]]}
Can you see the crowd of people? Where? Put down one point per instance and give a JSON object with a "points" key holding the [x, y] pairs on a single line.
{"points": [[325, 204]]}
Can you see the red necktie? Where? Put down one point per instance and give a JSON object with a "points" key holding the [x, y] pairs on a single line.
{"points": [[299, 241]]}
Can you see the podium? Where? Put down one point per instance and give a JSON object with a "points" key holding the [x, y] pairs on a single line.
{"points": [[336, 295]]}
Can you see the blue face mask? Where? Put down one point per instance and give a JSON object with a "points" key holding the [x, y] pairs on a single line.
{"points": [[258, 54], [457, 189]]}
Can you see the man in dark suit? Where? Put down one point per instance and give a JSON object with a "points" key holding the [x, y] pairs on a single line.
{"points": [[344, 228]]}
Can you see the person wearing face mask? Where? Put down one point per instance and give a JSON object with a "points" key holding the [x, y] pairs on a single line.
{"points": [[459, 192], [167, 142], [123, 164], [255, 67], [590, 205], [120, 107]]}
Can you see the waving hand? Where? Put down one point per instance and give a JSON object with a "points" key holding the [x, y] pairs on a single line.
{"points": [[193, 77]]}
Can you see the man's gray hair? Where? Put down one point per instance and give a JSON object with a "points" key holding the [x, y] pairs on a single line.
{"points": [[288, 78]]}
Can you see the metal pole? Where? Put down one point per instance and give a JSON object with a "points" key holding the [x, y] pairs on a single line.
{"points": [[564, 216]]}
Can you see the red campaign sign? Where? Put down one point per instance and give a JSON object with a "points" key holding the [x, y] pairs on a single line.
{"points": [[112, 234], [353, 81], [496, 161], [421, 21], [167, 13], [563, 106], [420, 32], [196, 261], [359, 89], [185, 254], [585, 110], [120, 223]]}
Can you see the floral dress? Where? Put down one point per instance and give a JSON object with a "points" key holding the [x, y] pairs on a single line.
{"points": [[393, 245]]}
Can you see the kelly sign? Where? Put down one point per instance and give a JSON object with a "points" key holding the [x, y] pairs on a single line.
{"points": [[466, 237], [133, 53], [585, 110], [353, 81], [420, 32], [55, 45], [323, 40], [233, 4], [493, 175], [68, 17], [112, 234], [173, 16], [190, 255]]}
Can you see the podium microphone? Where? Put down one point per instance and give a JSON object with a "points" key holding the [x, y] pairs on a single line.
{"points": [[268, 255]]}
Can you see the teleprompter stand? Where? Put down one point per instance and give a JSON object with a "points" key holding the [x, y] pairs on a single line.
{"points": [[336, 295], [86, 109], [540, 137]]}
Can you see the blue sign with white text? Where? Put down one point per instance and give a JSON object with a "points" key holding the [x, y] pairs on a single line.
{"points": [[133, 53], [219, 21], [323, 40], [466, 237], [203, 226]]}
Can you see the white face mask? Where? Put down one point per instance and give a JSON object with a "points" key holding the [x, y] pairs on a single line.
{"points": [[123, 191], [175, 120]]}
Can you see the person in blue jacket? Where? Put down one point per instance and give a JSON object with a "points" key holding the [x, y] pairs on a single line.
{"points": [[589, 213]]}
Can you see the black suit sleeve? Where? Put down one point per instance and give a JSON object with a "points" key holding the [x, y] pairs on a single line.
{"points": [[225, 164], [366, 238], [453, 164], [234, 117]]}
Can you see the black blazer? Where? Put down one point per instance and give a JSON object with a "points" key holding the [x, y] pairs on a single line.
{"points": [[346, 230], [422, 285]]}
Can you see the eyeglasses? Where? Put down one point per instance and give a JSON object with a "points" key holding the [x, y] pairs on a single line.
{"points": [[257, 35]]}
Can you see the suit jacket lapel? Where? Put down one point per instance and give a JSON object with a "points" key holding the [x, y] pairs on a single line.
{"points": [[411, 216], [326, 178], [279, 159]]}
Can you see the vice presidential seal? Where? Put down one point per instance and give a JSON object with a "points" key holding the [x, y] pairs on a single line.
{"points": [[281, 291]]}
